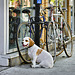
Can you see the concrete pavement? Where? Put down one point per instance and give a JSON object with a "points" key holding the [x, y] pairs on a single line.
{"points": [[63, 66]]}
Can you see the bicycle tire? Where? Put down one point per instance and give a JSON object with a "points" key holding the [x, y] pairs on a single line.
{"points": [[51, 40], [67, 40], [24, 31], [54, 41]]}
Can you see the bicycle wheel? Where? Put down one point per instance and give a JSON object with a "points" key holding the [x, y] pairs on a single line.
{"points": [[24, 30], [55, 47], [67, 40], [51, 40]]}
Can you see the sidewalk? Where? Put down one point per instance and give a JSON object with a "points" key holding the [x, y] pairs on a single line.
{"points": [[63, 66]]}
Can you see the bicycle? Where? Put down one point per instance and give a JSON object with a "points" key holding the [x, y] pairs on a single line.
{"points": [[63, 35], [56, 38]]}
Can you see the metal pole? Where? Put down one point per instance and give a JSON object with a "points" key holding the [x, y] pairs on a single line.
{"points": [[37, 13]]}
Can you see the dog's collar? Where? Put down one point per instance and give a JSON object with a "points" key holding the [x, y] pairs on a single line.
{"points": [[30, 46]]}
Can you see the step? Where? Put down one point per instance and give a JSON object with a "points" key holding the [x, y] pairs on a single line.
{"points": [[12, 59]]}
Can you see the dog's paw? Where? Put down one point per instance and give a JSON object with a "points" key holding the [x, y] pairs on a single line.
{"points": [[33, 66]]}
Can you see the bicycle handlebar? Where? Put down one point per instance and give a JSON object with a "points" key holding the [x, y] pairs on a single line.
{"points": [[59, 8]]}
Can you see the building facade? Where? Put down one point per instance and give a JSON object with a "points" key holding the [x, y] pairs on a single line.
{"points": [[8, 26]]}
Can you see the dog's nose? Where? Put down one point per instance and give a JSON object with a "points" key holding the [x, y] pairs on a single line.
{"points": [[22, 43]]}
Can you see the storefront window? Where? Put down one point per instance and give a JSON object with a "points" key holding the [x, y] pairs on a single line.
{"points": [[15, 18]]}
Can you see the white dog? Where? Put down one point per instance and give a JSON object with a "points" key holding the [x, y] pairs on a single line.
{"points": [[37, 54]]}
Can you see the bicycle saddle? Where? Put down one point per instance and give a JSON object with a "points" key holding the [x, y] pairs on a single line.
{"points": [[16, 10], [64, 9], [26, 11], [11, 8]]}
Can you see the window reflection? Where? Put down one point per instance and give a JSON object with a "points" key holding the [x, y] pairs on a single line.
{"points": [[15, 18]]}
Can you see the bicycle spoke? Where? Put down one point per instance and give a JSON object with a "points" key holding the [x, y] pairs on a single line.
{"points": [[24, 31]]}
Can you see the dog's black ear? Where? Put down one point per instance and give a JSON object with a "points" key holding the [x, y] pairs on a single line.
{"points": [[31, 42]]}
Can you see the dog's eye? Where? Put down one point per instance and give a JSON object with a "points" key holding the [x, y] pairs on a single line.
{"points": [[26, 40]]}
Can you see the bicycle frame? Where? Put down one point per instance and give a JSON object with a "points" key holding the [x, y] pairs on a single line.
{"points": [[31, 22], [59, 35]]}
